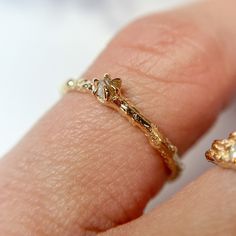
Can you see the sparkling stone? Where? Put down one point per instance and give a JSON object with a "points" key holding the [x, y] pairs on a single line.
{"points": [[70, 83], [101, 91], [233, 152]]}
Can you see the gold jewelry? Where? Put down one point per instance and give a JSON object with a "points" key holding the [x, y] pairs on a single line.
{"points": [[223, 152], [108, 92]]}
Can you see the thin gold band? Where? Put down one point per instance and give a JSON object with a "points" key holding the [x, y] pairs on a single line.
{"points": [[108, 92]]}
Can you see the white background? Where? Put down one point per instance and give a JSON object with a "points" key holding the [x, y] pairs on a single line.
{"points": [[42, 43]]}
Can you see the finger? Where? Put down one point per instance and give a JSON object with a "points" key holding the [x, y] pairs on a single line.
{"points": [[205, 207], [83, 168]]}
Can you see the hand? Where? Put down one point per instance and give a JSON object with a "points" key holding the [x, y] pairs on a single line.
{"points": [[84, 170]]}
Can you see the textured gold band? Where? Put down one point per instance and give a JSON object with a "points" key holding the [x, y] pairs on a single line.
{"points": [[108, 92]]}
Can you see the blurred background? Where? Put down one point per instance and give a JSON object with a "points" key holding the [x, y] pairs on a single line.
{"points": [[44, 42]]}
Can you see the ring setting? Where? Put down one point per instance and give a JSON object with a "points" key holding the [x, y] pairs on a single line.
{"points": [[223, 152]]}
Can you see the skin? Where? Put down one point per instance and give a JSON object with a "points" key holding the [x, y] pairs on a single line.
{"points": [[84, 170]]}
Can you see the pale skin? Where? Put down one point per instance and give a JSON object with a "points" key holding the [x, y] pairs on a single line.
{"points": [[84, 170]]}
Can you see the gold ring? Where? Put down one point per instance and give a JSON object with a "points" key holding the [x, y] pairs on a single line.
{"points": [[108, 92], [223, 152]]}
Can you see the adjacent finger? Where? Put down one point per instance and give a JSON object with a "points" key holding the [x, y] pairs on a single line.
{"points": [[83, 168], [205, 207]]}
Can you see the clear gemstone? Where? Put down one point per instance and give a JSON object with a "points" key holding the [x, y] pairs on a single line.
{"points": [[233, 152], [100, 90]]}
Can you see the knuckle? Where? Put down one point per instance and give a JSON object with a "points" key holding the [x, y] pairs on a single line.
{"points": [[166, 48]]}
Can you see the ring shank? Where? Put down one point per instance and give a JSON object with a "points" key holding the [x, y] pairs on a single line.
{"points": [[157, 140]]}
